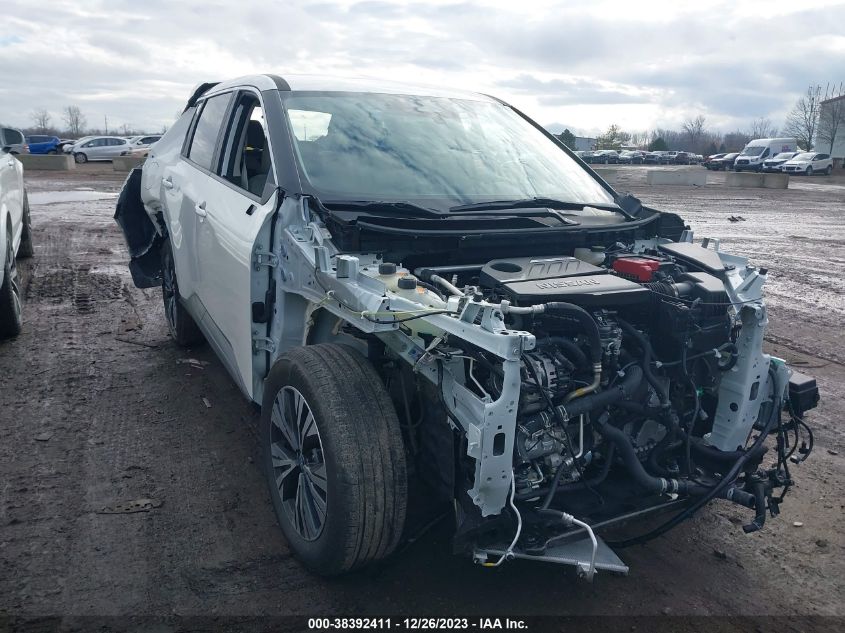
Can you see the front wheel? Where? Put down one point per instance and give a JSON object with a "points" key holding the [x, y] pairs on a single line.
{"points": [[80, 158], [10, 295], [181, 324], [808, 171], [829, 170], [333, 457]]}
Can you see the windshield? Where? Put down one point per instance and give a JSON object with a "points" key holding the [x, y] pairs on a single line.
{"points": [[440, 152], [753, 150], [805, 156]]}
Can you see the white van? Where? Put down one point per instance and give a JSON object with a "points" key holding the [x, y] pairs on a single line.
{"points": [[757, 151]]}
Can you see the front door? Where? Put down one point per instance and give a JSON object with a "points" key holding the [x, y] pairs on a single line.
{"points": [[239, 200]]}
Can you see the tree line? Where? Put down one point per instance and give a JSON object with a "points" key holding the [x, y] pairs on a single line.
{"points": [[812, 124], [74, 124]]}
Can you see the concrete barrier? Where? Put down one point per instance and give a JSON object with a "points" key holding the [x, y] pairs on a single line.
{"points": [[60, 162], [686, 177], [743, 179], [609, 175], [127, 163]]}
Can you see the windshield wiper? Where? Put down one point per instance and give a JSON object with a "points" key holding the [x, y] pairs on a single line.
{"points": [[396, 208], [536, 202]]}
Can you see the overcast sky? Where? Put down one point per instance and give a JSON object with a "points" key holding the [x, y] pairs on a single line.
{"points": [[581, 64]]}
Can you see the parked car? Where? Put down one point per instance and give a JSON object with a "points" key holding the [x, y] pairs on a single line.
{"points": [[525, 390], [682, 158], [651, 158], [97, 148], [808, 163], [709, 159], [606, 156], [776, 162], [755, 153], [140, 143], [588, 156], [13, 140], [15, 241], [41, 144], [725, 163]]}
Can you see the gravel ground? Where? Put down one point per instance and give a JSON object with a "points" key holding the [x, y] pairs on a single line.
{"points": [[99, 409]]}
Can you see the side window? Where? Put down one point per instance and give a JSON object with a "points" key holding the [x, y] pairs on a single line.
{"points": [[822, 156], [765, 153], [12, 137], [247, 162], [207, 130]]}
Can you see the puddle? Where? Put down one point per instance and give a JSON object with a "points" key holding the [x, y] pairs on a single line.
{"points": [[58, 197]]}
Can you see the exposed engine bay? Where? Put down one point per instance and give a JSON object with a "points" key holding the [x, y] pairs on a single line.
{"points": [[586, 390]]}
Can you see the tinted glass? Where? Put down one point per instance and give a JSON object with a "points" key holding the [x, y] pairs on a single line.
{"points": [[12, 137], [446, 151], [207, 130]]}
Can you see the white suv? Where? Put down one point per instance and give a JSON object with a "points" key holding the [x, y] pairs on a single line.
{"points": [[424, 283], [15, 241], [808, 163]]}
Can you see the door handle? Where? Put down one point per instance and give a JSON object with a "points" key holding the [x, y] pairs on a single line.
{"points": [[168, 183], [199, 209]]}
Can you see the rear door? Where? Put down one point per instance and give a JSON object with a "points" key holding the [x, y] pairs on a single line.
{"points": [[11, 194], [183, 185], [239, 199]]}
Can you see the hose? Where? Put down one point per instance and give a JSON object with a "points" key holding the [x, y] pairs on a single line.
{"points": [[452, 289], [588, 324], [725, 487], [648, 354], [622, 390], [572, 351]]}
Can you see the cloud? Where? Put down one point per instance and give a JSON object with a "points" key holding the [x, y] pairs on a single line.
{"points": [[586, 62]]}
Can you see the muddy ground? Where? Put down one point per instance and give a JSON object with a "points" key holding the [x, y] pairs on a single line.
{"points": [[99, 408]]}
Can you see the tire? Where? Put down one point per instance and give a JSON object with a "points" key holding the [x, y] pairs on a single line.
{"points": [[80, 158], [829, 170], [10, 295], [52, 151], [808, 171], [26, 249], [353, 477], [182, 326]]}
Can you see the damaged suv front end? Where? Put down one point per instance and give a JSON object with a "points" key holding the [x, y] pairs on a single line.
{"points": [[562, 359]]}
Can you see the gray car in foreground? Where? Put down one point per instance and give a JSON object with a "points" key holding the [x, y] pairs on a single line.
{"points": [[12, 141], [439, 307]]}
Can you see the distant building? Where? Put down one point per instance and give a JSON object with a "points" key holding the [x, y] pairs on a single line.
{"points": [[584, 143], [838, 151]]}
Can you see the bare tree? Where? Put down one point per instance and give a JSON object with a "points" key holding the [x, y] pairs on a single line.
{"points": [[762, 128], [803, 120], [74, 119], [694, 129], [41, 119], [832, 118], [126, 129]]}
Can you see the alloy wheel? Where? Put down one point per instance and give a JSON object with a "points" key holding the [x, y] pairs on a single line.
{"points": [[298, 464]]}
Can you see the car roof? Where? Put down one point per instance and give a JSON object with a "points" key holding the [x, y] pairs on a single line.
{"points": [[327, 83]]}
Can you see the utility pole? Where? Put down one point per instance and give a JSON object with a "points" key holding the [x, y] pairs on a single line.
{"points": [[106, 119]]}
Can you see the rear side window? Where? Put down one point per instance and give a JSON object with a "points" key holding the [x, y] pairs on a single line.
{"points": [[207, 130], [12, 137]]}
